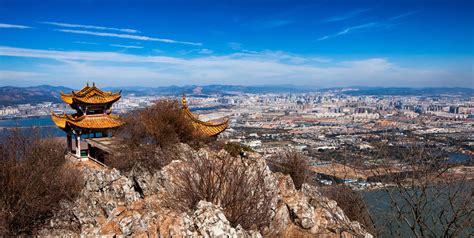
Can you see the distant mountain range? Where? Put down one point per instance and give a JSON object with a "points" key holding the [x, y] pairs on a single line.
{"points": [[213, 90], [36, 94], [379, 91], [44, 93]]}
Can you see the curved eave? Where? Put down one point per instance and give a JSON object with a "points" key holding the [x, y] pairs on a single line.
{"points": [[67, 98], [206, 128], [210, 131], [60, 121], [96, 122]]}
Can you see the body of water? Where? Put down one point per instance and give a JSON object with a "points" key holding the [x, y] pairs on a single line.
{"points": [[459, 158], [45, 124], [384, 214]]}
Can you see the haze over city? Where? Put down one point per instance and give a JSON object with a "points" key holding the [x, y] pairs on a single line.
{"points": [[161, 43]]}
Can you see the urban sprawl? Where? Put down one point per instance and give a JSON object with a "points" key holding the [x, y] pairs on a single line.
{"points": [[322, 123]]}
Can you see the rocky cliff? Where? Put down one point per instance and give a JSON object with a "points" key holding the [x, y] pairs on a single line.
{"points": [[131, 204]]}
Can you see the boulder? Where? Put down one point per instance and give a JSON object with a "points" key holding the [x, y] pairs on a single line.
{"points": [[211, 222]]}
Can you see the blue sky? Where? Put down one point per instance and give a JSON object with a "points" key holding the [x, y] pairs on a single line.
{"points": [[158, 43]]}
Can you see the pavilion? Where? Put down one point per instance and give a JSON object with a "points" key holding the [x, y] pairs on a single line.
{"points": [[93, 118]]}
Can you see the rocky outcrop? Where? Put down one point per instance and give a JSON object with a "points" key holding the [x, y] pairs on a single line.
{"points": [[112, 203], [210, 221], [304, 212]]}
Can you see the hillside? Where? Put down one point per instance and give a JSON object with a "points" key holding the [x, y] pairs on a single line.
{"points": [[137, 204], [36, 94]]}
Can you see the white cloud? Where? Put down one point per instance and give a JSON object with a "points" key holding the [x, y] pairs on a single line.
{"points": [[127, 46], [85, 55], [118, 69], [128, 36], [360, 27], [86, 43], [206, 51], [406, 14], [351, 29], [5, 25], [17, 75], [68, 25]]}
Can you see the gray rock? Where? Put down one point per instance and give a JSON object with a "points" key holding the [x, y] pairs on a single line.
{"points": [[126, 225], [211, 222]]}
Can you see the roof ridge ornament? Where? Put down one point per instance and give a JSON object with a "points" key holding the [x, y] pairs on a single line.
{"points": [[183, 101]]}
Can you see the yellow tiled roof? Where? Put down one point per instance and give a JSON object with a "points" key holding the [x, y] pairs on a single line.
{"points": [[90, 95], [210, 130], [206, 128], [59, 120], [100, 121]]}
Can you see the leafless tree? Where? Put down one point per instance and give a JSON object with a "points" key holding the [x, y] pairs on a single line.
{"points": [[428, 198], [236, 184], [292, 163], [34, 179], [352, 203]]}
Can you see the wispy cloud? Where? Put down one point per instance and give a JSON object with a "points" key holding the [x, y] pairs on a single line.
{"points": [[346, 16], [68, 25], [86, 43], [271, 24], [11, 75], [118, 69], [127, 46], [402, 15], [83, 55], [128, 36], [351, 29], [5, 25], [205, 51], [363, 26]]}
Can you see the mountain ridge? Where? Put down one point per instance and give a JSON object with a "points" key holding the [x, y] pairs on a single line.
{"points": [[12, 95]]}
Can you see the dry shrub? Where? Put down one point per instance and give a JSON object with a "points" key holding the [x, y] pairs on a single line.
{"points": [[235, 184], [150, 135], [34, 179], [162, 124], [352, 203], [233, 148], [294, 164]]}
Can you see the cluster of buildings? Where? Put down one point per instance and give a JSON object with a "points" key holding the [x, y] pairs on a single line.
{"points": [[317, 124], [25, 110]]}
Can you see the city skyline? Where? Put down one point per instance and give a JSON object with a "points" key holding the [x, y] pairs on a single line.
{"points": [[315, 43]]}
